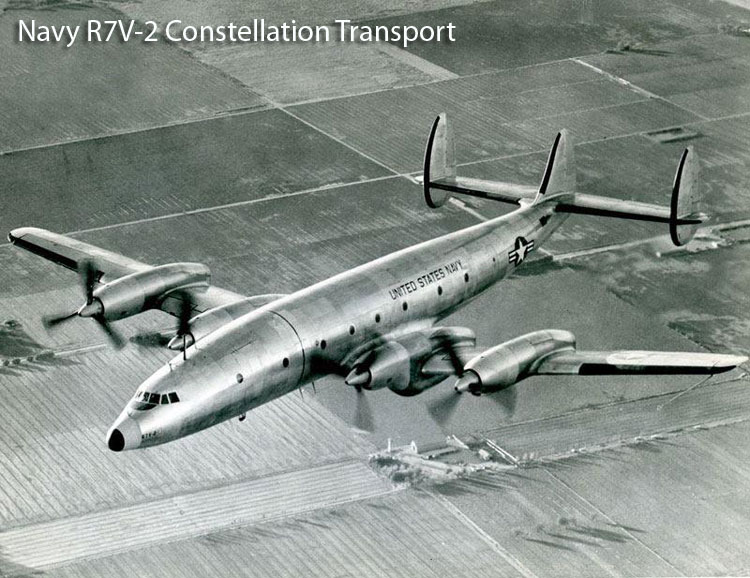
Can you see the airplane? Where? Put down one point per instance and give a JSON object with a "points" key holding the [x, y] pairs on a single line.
{"points": [[377, 325]]}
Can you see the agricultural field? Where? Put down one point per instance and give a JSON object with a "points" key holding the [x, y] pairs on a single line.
{"points": [[278, 167]]}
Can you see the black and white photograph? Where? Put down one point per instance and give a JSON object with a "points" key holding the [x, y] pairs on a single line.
{"points": [[374, 288]]}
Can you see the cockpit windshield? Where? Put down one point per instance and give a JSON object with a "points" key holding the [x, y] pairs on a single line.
{"points": [[145, 400]]}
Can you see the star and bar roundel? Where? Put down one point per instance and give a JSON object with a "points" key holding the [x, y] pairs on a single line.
{"points": [[520, 251]]}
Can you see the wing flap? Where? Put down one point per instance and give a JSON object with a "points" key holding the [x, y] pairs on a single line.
{"points": [[636, 363]]}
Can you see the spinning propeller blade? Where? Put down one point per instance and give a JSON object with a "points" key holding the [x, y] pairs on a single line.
{"points": [[185, 313], [50, 321], [506, 399], [363, 415], [183, 337], [443, 408], [114, 336], [88, 274]]}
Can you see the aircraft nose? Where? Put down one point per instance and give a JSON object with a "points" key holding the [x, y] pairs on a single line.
{"points": [[124, 435]]}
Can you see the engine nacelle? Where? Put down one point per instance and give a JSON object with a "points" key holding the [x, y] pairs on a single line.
{"points": [[385, 366], [211, 320], [510, 362], [398, 365], [140, 291]]}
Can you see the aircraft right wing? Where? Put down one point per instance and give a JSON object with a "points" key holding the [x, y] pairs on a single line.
{"points": [[109, 266], [71, 253], [636, 363]]}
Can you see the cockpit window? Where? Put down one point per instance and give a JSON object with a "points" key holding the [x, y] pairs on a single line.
{"points": [[144, 400]]}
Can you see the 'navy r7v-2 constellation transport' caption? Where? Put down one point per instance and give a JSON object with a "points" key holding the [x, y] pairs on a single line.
{"points": [[376, 325]]}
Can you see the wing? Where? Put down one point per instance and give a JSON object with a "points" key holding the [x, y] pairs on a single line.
{"points": [[636, 363], [72, 253]]}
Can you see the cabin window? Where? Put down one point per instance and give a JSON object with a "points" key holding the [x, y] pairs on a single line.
{"points": [[466, 277], [404, 306], [323, 344], [153, 398], [164, 399], [351, 330], [440, 290], [173, 397], [285, 363], [377, 318], [239, 378]]}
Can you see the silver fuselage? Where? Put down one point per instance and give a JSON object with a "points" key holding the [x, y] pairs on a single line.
{"points": [[289, 342]]}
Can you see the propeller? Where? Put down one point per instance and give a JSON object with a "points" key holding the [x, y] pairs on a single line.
{"points": [[93, 308], [443, 408]]}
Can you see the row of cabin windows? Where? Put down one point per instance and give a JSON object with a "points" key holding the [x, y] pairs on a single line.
{"points": [[404, 306]]}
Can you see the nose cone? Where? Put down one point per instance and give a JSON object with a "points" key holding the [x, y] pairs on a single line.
{"points": [[124, 435]]}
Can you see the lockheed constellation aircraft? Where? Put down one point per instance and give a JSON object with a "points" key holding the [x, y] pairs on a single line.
{"points": [[377, 325]]}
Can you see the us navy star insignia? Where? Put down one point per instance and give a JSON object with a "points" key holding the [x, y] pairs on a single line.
{"points": [[521, 250]]}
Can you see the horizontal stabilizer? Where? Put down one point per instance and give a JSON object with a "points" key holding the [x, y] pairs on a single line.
{"points": [[636, 363], [584, 204], [483, 189]]}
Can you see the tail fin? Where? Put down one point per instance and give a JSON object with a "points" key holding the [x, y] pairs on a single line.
{"points": [[686, 198], [560, 172], [439, 161], [440, 180]]}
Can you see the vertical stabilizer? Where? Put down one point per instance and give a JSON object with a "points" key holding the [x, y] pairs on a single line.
{"points": [[439, 160], [560, 172], [686, 199]]}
